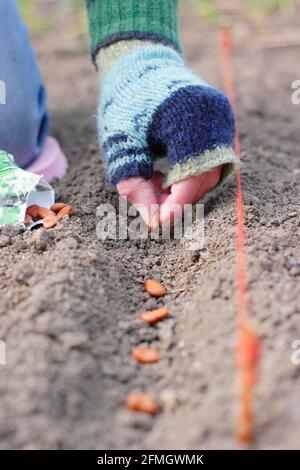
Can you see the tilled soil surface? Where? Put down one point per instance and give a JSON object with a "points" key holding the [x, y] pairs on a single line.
{"points": [[69, 302]]}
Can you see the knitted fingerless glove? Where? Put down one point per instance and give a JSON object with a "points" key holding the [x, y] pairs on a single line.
{"points": [[152, 106]]}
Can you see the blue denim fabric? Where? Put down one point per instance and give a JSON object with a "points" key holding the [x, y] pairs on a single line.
{"points": [[24, 119]]}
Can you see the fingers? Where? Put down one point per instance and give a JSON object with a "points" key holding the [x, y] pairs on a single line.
{"points": [[143, 194], [157, 206], [188, 191]]}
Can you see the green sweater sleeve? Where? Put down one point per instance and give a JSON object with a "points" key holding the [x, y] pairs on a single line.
{"points": [[115, 20]]}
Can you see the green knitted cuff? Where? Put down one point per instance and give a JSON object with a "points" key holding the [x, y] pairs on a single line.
{"points": [[115, 20], [220, 156]]}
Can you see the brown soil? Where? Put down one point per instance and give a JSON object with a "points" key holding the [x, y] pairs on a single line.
{"points": [[69, 303]]}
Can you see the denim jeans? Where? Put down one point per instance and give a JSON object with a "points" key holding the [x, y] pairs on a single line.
{"points": [[24, 119]]}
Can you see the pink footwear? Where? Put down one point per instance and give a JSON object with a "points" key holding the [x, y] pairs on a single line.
{"points": [[52, 162]]}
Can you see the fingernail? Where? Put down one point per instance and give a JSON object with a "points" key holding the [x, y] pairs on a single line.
{"points": [[154, 221]]}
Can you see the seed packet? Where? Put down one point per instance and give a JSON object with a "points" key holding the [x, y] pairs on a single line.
{"points": [[20, 189]]}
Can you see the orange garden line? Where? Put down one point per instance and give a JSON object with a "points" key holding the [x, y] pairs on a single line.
{"points": [[248, 343]]}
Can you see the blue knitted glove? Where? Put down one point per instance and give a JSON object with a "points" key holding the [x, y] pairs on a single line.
{"points": [[152, 105]]}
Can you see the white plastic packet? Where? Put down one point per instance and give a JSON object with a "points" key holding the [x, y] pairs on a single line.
{"points": [[20, 189]]}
